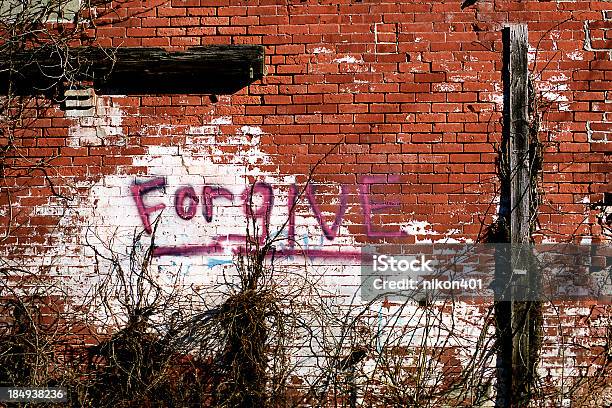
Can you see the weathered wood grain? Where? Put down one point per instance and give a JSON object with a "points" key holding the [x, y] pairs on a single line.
{"points": [[206, 69]]}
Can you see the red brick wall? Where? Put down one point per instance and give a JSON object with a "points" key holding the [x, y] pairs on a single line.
{"points": [[410, 88], [411, 91]]}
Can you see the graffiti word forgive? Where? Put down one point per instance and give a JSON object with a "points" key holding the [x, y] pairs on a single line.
{"points": [[188, 202]]}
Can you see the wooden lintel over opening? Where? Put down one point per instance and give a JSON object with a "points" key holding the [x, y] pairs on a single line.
{"points": [[211, 69]]}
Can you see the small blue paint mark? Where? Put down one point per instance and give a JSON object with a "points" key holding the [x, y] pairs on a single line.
{"points": [[212, 262]]}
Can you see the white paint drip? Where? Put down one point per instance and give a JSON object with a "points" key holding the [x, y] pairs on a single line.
{"points": [[552, 89]]}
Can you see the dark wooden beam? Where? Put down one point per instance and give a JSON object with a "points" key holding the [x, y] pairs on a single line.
{"points": [[218, 69]]}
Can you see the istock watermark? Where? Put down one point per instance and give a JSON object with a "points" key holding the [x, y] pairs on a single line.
{"points": [[384, 263], [414, 267], [487, 272], [433, 284]]}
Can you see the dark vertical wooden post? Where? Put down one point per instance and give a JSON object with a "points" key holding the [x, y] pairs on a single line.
{"points": [[517, 98], [519, 134]]}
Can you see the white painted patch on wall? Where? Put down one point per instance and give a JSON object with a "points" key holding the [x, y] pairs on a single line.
{"points": [[576, 55], [251, 130], [548, 240], [531, 54], [109, 215], [561, 77], [554, 36], [203, 130], [222, 120], [445, 88], [498, 98], [101, 126], [456, 78], [322, 50], [552, 90], [414, 227], [348, 60], [554, 97]]}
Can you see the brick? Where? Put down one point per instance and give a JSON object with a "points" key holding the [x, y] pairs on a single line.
{"points": [[430, 77]]}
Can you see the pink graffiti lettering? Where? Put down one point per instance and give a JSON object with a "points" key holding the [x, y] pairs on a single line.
{"points": [[264, 211], [291, 204], [209, 193], [186, 194], [369, 207], [138, 191], [330, 233], [186, 250], [257, 206], [216, 248]]}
